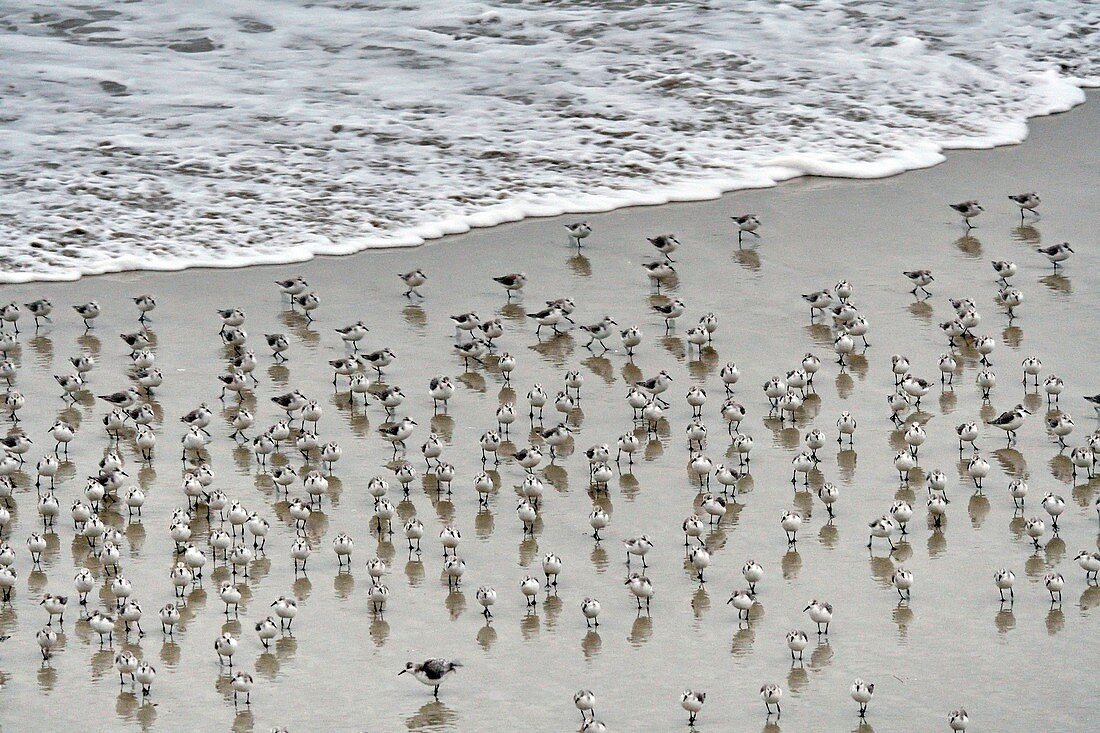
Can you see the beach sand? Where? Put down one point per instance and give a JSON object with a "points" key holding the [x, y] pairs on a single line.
{"points": [[953, 645]]}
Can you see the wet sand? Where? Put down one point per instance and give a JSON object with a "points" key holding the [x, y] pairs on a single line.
{"points": [[954, 645]]}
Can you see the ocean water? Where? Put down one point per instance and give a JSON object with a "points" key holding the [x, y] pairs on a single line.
{"points": [[161, 135]]}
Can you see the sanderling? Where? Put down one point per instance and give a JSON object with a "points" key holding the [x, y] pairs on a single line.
{"points": [[309, 302], [88, 312], [1090, 563], [882, 527], [639, 546], [578, 231], [791, 523], [55, 606], [226, 646], [1004, 579], [529, 587], [818, 300], [846, 425], [821, 613], [242, 683], [1010, 421], [1026, 201], [977, 468], [968, 210], [590, 608], [1094, 400], [599, 331], [1035, 528], [1057, 253], [958, 720], [771, 694], [654, 386], [743, 601], [699, 559], [47, 639], [413, 280], [512, 282], [486, 597], [1054, 583], [1004, 269], [797, 641], [1060, 425], [666, 244], [861, 692], [144, 675], [551, 316], [920, 279], [278, 343], [746, 223], [642, 588], [828, 493], [40, 309], [692, 702], [70, 385], [659, 271], [353, 334], [10, 313], [292, 286], [598, 519], [670, 312], [585, 701], [903, 581]]}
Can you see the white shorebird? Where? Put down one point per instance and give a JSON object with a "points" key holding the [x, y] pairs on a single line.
{"points": [[226, 646], [861, 692], [599, 332], [413, 279], [1010, 421], [692, 701], [821, 613], [791, 523], [432, 672], [666, 244], [1027, 202], [670, 312], [642, 589], [968, 210], [1090, 563], [1057, 253], [920, 279], [639, 546], [771, 694], [742, 600], [903, 581], [746, 223], [512, 283], [958, 720], [658, 272], [797, 641], [242, 684], [578, 231], [590, 608], [882, 528], [585, 702], [1004, 579]]}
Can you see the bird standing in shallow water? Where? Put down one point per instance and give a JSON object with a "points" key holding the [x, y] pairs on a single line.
{"points": [[432, 672]]}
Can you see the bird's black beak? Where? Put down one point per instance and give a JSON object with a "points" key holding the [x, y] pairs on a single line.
{"points": [[402, 672]]}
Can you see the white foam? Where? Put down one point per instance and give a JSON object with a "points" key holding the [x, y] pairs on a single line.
{"points": [[167, 135]]}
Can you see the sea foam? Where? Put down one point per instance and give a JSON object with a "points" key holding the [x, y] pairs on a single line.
{"points": [[160, 135]]}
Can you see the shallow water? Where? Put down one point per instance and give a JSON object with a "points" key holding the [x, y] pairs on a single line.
{"points": [[135, 135], [953, 645]]}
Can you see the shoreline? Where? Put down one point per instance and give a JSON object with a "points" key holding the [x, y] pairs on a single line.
{"points": [[770, 176], [816, 231]]}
